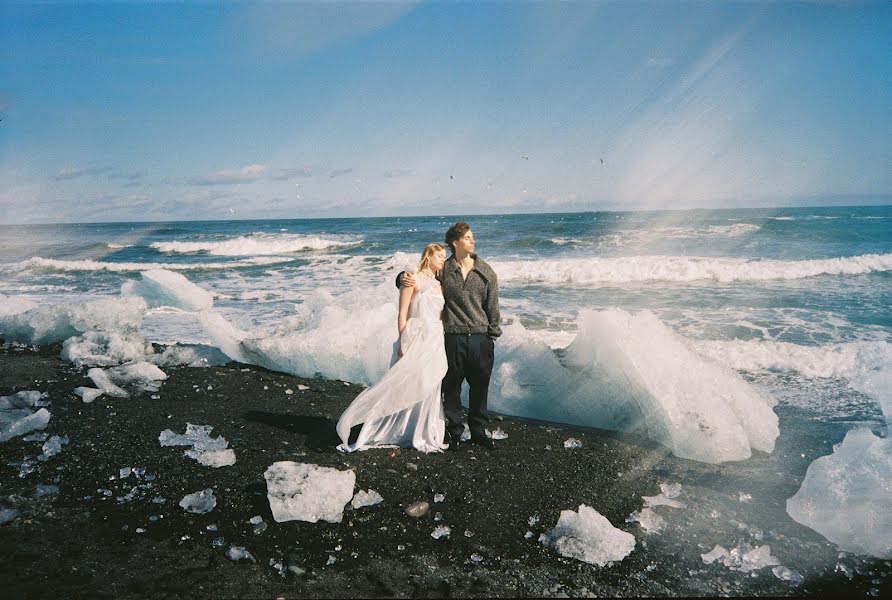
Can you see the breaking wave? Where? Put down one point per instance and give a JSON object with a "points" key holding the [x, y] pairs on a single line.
{"points": [[258, 244], [50, 264]]}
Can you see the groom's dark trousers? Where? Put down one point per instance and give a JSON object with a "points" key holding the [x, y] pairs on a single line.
{"points": [[469, 356]]}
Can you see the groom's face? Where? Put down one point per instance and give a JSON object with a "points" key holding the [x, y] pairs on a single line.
{"points": [[465, 243]]}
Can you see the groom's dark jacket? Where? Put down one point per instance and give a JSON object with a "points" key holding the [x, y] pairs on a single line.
{"points": [[472, 304]]}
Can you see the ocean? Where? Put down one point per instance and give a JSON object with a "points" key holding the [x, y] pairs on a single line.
{"points": [[756, 337]]}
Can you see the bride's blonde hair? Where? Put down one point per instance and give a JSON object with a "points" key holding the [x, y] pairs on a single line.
{"points": [[426, 255]]}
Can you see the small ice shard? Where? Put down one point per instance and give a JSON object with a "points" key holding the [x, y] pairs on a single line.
{"points": [[498, 434], [786, 574], [7, 514], [213, 458], [331, 560], [366, 498], [649, 520], [418, 509], [200, 502], [441, 531], [36, 437], [289, 391], [307, 492], [529, 534], [237, 553], [22, 399], [661, 500], [52, 447], [476, 558], [124, 472], [572, 443], [588, 536], [743, 557], [102, 381], [671, 490], [41, 490], [142, 376], [439, 498], [87, 394], [533, 520], [259, 525], [846, 496], [16, 422], [160, 287], [743, 497], [105, 348], [301, 387]]}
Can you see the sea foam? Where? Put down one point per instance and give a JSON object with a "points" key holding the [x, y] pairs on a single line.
{"points": [[629, 269], [258, 244]]}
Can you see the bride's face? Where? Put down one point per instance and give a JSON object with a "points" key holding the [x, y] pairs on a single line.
{"points": [[437, 260]]}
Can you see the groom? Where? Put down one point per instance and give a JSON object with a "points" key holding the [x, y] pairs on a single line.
{"points": [[471, 325]]}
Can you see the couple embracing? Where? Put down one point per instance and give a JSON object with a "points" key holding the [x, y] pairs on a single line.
{"points": [[448, 323]]}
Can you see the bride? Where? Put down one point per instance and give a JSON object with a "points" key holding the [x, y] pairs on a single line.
{"points": [[404, 408]]}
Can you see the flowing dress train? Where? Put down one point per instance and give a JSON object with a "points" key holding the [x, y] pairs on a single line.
{"points": [[405, 408]]}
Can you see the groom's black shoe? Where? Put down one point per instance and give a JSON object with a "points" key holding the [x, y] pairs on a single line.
{"points": [[482, 440], [454, 442]]}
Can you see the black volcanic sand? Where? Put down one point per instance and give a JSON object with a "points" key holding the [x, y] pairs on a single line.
{"points": [[81, 542]]}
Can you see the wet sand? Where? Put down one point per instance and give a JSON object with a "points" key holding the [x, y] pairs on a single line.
{"points": [[135, 541]]}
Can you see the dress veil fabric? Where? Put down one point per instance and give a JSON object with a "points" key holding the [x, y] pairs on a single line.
{"points": [[404, 408]]}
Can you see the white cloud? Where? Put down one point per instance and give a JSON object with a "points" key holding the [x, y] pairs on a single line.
{"points": [[292, 173], [247, 174], [280, 30], [70, 172]]}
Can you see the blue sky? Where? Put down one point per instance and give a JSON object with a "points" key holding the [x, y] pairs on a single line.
{"points": [[199, 110]]}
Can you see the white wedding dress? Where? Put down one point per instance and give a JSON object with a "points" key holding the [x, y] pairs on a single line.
{"points": [[405, 408]]}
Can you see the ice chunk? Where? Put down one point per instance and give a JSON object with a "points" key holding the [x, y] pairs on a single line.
{"points": [[7, 514], [102, 381], [237, 553], [213, 458], [50, 324], [588, 536], [572, 443], [366, 498], [87, 394], [441, 531], [35, 437], [23, 399], [41, 490], [52, 447], [105, 348], [649, 520], [786, 574], [626, 371], [18, 422], [847, 496], [307, 492], [662, 500], [190, 355], [741, 558], [498, 434], [671, 490], [211, 452], [160, 287], [143, 376], [199, 502]]}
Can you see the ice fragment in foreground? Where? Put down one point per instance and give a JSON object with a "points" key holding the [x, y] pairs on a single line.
{"points": [[213, 458], [52, 447], [572, 443], [366, 498], [786, 574], [588, 536], [237, 553], [7, 514], [87, 394], [741, 558], [649, 520], [661, 500], [211, 452], [200, 502], [498, 434], [307, 492], [105, 348], [847, 496], [441, 531], [102, 381], [18, 422], [23, 399]]}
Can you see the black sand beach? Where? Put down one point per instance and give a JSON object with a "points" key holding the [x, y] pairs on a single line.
{"points": [[137, 541]]}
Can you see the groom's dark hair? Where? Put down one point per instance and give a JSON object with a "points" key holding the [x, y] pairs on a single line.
{"points": [[455, 232]]}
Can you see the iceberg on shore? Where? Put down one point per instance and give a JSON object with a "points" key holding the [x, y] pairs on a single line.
{"points": [[588, 536], [847, 496]]}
